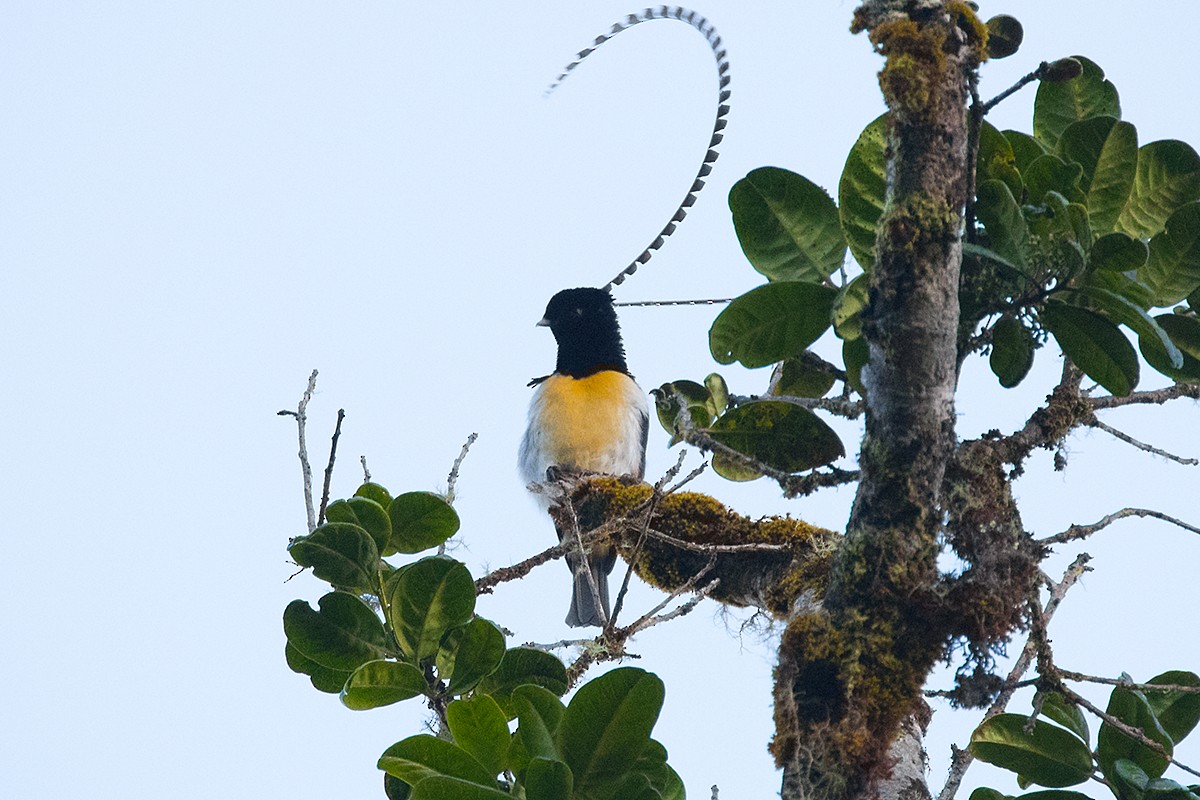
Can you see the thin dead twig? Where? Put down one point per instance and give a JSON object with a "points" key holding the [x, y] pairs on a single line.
{"points": [[1125, 437], [1083, 531], [305, 468], [337, 434], [961, 759]]}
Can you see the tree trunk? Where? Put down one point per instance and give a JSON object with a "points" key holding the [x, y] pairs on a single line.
{"points": [[850, 674]]}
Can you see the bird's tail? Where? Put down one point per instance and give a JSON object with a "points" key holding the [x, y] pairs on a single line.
{"points": [[584, 611], [583, 601]]}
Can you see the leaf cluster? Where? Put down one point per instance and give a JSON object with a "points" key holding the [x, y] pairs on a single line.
{"points": [[388, 633], [1054, 749]]}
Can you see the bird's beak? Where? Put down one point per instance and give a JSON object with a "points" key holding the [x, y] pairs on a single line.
{"points": [[543, 323]]}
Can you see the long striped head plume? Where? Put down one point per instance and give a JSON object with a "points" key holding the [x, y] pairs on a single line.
{"points": [[709, 32]]}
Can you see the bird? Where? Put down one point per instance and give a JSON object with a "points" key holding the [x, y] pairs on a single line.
{"points": [[588, 415]]}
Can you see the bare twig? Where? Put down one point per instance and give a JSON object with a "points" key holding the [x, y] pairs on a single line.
{"points": [[337, 432], [560, 644], [1037, 74], [1137, 734], [715, 548], [305, 467], [1155, 396], [960, 758], [1126, 684], [1125, 437], [453, 477], [366, 472], [585, 566], [487, 583], [1083, 531], [840, 406], [793, 485]]}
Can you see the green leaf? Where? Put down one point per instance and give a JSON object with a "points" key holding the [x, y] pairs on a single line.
{"points": [[1122, 311], [1050, 756], [343, 635], [365, 513], [1058, 104], [1167, 178], [426, 599], [1007, 231], [1012, 351], [1107, 150], [733, 469], [1117, 252], [1173, 269], [669, 406], [1056, 707], [396, 789], [323, 678], [1167, 789], [861, 191], [420, 520], [381, 683], [1177, 712], [781, 435], [469, 653], [607, 725], [1054, 794], [443, 788], [373, 491], [848, 307], [855, 353], [547, 779], [1025, 148], [1051, 174], [652, 763], [1008, 268], [771, 323], [1131, 707], [718, 394], [1127, 775], [418, 758], [522, 665], [1095, 345], [1004, 36], [1185, 333], [805, 376], [997, 161], [480, 728], [787, 225], [539, 714], [339, 552], [984, 793]]}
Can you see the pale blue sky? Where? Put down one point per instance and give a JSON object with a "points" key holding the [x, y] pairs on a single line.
{"points": [[202, 202]]}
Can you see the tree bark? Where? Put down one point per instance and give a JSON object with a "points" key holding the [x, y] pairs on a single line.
{"points": [[850, 674]]}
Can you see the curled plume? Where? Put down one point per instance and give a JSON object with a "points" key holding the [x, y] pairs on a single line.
{"points": [[709, 32]]}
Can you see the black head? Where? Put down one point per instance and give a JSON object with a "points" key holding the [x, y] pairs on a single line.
{"points": [[584, 324]]}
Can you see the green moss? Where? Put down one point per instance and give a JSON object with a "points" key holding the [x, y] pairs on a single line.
{"points": [[769, 579]]}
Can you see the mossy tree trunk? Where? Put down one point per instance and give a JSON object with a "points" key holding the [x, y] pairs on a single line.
{"points": [[850, 673]]}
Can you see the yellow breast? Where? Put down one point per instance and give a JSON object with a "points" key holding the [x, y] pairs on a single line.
{"points": [[595, 423]]}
